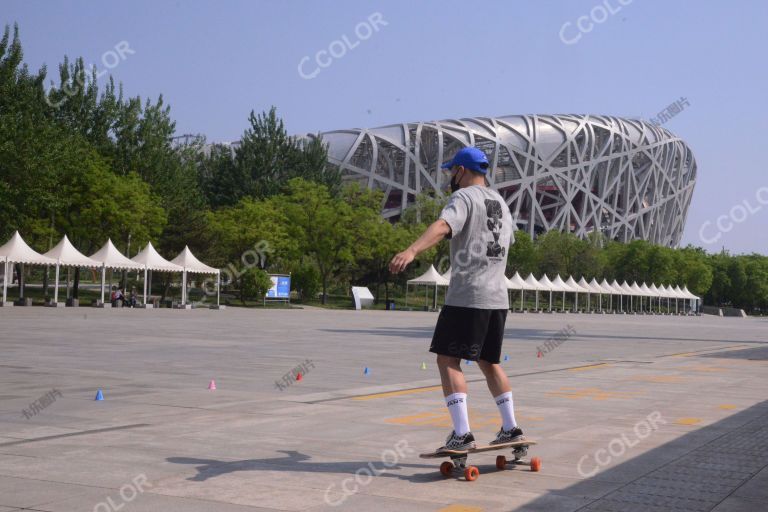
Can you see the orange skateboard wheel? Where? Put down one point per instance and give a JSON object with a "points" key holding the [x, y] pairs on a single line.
{"points": [[501, 462], [535, 464], [446, 468], [471, 473]]}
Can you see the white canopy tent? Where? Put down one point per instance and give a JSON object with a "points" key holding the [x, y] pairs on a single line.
{"points": [[607, 289], [596, 288], [648, 293], [150, 259], [547, 285], [109, 257], [656, 293], [430, 277], [561, 287], [666, 293], [65, 254], [589, 291], [637, 292], [691, 296], [577, 288], [517, 283], [16, 250], [627, 291], [190, 263], [680, 295], [533, 284], [617, 290]]}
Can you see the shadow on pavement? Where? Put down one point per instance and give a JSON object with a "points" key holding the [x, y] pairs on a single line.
{"points": [[295, 461], [695, 472], [750, 354]]}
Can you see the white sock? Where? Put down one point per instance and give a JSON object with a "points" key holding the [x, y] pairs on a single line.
{"points": [[507, 410], [457, 406]]}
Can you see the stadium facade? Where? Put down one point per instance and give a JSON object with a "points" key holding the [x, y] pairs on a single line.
{"points": [[626, 178]]}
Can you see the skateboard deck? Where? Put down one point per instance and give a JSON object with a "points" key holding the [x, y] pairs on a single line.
{"points": [[459, 458]]}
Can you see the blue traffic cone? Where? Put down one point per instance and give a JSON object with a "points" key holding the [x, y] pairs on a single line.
{"points": [[99, 395], [469, 362], [506, 357], [366, 371]]}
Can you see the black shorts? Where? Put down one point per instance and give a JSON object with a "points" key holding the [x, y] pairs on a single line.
{"points": [[469, 333]]}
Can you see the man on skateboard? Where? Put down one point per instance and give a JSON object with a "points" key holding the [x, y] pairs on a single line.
{"points": [[471, 325]]}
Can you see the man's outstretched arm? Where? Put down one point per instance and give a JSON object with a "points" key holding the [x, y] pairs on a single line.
{"points": [[430, 238]]}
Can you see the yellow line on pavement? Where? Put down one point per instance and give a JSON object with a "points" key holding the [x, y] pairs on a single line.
{"points": [[687, 421], [460, 508], [397, 393]]}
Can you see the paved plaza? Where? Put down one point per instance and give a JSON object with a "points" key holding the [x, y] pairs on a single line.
{"points": [[651, 413]]}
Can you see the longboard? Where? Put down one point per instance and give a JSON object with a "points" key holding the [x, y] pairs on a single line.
{"points": [[459, 458]]}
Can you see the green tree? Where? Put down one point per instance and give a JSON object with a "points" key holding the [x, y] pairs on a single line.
{"points": [[323, 226], [250, 233], [220, 179], [267, 158], [523, 257], [254, 284]]}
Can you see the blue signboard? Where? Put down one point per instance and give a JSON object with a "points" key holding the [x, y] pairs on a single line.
{"points": [[281, 287]]}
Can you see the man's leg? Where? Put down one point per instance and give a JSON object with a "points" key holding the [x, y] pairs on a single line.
{"points": [[451, 375], [455, 392], [498, 384]]}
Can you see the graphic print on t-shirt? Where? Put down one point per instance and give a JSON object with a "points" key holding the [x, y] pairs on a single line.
{"points": [[494, 212]]}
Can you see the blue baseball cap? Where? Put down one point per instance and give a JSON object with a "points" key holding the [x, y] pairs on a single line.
{"points": [[470, 158]]}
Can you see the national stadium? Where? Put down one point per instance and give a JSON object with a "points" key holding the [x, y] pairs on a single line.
{"points": [[626, 178]]}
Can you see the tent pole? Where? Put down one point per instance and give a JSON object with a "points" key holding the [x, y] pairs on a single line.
{"points": [[145, 285], [5, 280], [522, 299], [103, 274], [218, 287], [56, 287], [184, 287]]}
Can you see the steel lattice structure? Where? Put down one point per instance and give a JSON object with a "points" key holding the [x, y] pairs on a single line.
{"points": [[578, 173]]}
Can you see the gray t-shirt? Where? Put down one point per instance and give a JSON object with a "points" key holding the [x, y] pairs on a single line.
{"points": [[481, 232]]}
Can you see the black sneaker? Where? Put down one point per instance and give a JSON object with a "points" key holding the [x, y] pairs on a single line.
{"points": [[508, 436], [459, 443]]}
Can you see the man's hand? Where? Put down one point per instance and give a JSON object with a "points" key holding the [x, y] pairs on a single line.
{"points": [[430, 238], [401, 260]]}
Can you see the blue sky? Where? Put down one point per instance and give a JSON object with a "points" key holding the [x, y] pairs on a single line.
{"points": [[216, 61]]}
